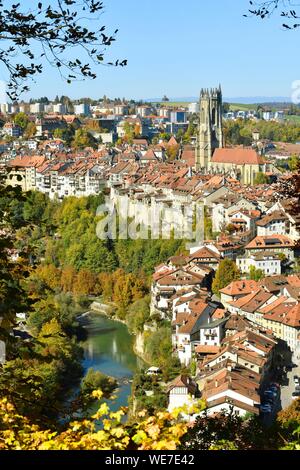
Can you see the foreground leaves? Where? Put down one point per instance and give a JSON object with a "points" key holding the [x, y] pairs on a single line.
{"points": [[161, 432]]}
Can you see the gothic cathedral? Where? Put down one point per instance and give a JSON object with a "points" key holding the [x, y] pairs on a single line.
{"points": [[210, 135]]}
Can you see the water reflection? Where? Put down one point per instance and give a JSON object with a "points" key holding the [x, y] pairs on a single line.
{"points": [[109, 349]]}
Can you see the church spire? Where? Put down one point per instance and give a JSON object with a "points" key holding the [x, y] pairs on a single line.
{"points": [[210, 134]]}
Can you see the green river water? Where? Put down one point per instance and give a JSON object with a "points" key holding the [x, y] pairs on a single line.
{"points": [[109, 349]]}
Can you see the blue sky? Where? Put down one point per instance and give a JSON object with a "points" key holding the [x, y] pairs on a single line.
{"points": [[176, 47]]}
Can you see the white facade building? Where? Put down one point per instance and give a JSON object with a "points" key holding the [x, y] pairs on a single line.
{"points": [[193, 108], [269, 263], [37, 108], [82, 109]]}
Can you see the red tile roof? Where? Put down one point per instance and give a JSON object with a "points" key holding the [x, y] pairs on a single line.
{"points": [[237, 156], [27, 161], [266, 242], [206, 349], [240, 287]]}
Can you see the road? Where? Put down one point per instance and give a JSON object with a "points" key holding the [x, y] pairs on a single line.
{"points": [[288, 388], [286, 382]]}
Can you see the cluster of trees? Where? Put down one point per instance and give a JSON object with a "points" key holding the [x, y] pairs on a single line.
{"points": [[77, 138], [228, 431], [60, 248], [66, 134], [131, 131], [38, 373], [28, 127], [239, 132], [154, 400], [158, 351], [83, 138], [123, 289]]}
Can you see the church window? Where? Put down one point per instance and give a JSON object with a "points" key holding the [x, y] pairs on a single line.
{"points": [[213, 116]]}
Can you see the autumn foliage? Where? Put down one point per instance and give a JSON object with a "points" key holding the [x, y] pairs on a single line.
{"points": [[160, 432]]}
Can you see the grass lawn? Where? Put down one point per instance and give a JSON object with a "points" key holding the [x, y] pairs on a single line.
{"points": [[292, 118], [242, 107]]}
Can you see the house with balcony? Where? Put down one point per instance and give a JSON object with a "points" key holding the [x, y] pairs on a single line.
{"points": [[202, 324]]}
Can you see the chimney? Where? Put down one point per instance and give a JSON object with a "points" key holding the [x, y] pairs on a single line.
{"points": [[216, 383]]}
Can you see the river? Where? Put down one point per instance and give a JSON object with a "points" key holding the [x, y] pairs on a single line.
{"points": [[109, 349]]}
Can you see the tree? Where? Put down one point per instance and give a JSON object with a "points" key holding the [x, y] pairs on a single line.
{"points": [[256, 274], [68, 276], [158, 352], [66, 134], [21, 119], [208, 234], [293, 162], [172, 152], [84, 283], [94, 380], [282, 257], [158, 431], [226, 273], [54, 33], [226, 108], [138, 314], [50, 275], [130, 131], [30, 130], [83, 139], [267, 8], [12, 295], [260, 178], [227, 431], [230, 228], [289, 418]]}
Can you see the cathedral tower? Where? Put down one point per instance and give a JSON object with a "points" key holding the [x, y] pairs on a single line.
{"points": [[210, 133]]}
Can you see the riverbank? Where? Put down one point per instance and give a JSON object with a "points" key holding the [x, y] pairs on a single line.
{"points": [[139, 343], [109, 349], [106, 310]]}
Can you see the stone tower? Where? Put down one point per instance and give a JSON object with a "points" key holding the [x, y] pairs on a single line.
{"points": [[210, 133]]}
